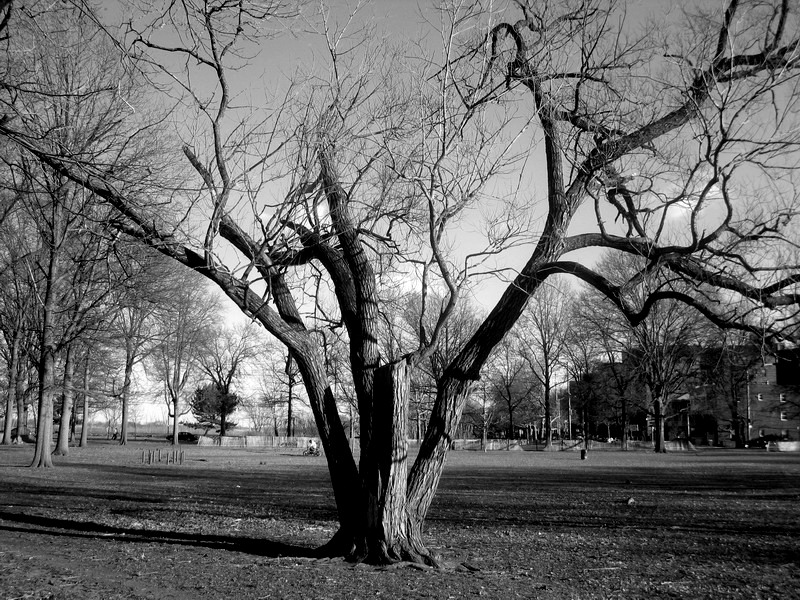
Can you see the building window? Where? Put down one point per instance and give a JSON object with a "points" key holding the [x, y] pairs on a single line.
{"points": [[785, 433], [761, 433], [760, 397], [784, 416], [782, 398]]}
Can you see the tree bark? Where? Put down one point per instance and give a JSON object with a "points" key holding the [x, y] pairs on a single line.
{"points": [[47, 360], [22, 422], [548, 420], [126, 392], [390, 533], [658, 416], [223, 426], [10, 401], [10, 405], [84, 441], [44, 422], [341, 465], [62, 444], [624, 417], [289, 415], [11, 392], [175, 421]]}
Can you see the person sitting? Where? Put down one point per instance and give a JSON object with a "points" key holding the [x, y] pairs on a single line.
{"points": [[312, 446]]}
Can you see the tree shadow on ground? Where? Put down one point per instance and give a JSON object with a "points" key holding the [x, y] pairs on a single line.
{"points": [[35, 524]]}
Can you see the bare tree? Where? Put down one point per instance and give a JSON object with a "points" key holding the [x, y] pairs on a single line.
{"points": [[17, 325], [482, 413], [270, 405], [135, 300], [541, 337], [366, 184], [512, 385], [185, 325], [599, 358], [226, 357], [660, 351]]}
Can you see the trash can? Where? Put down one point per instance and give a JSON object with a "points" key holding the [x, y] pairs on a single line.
{"points": [[583, 454]]}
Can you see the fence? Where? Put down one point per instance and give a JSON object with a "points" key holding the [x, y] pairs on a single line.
{"points": [[253, 441]]}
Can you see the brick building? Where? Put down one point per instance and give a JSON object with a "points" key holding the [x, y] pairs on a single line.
{"points": [[774, 397]]}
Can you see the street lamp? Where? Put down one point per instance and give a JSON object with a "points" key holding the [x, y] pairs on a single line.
{"points": [[747, 429]]}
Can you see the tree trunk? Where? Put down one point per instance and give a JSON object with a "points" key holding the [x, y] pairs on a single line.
{"points": [[341, 466], [548, 420], [658, 416], [64, 426], [22, 414], [126, 393], [624, 417], [84, 441], [452, 393], [175, 420], [85, 393], [289, 415], [13, 397], [44, 421], [388, 534], [47, 365], [10, 403]]}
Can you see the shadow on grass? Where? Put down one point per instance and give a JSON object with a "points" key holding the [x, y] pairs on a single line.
{"points": [[34, 524]]}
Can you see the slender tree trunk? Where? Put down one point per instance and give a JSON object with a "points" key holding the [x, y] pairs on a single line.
{"points": [[341, 465], [47, 365], [64, 426], [22, 421], [175, 421], [10, 404], [548, 420], [126, 393], [12, 399], [289, 415], [658, 410], [624, 424], [84, 441]]}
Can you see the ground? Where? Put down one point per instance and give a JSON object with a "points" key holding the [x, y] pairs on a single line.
{"points": [[233, 523]]}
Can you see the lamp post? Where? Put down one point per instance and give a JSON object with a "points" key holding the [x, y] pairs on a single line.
{"points": [[569, 412], [747, 428]]}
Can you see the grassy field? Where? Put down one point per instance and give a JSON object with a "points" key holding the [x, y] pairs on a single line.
{"points": [[237, 523]]}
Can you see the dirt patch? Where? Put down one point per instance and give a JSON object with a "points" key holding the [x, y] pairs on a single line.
{"points": [[243, 524]]}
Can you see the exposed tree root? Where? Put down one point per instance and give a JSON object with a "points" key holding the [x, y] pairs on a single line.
{"points": [[376, 553]]}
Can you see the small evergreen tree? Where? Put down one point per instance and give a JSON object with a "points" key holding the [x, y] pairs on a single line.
{"points": [[212, 407]]}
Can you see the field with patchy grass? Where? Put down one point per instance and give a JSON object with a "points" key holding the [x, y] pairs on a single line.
{"points": [[242, 524]]}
